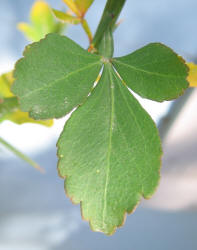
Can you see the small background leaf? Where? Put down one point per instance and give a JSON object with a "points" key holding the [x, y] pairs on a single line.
{"points": [[42, 22], [64, 17], [8, 105], [192, 77], [20, 117], [79, 7], [6, 81]]}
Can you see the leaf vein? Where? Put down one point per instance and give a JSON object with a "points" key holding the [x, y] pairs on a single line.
{"points": [[60, 79], [147, 72]]}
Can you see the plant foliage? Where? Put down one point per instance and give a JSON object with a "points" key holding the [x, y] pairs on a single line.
{"points": [[109, 151]]}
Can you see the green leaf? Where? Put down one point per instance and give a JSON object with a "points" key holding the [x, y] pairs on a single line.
{"points": [[54, 76], [154, 72], [109, 152], [9, 106]]}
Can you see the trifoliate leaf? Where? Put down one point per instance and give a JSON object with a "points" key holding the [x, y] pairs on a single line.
{"points": [[192, 77], [42, 22], [109, 152], [54, 76], [154, 72]]}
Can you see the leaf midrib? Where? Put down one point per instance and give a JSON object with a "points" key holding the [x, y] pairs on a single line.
{"points": [[109, 149], [145, 71], [139, 128]]}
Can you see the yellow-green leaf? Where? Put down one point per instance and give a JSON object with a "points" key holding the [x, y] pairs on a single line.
{"points": [[30, 33], [42, 22], [20, 117], [41, 12], [79, 7], [6, 81], [64, 17], [192, 78], [8, 105], [109, 151]]}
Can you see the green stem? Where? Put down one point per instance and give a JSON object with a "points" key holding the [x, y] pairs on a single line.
{"points": [[21, 155], [108, 19]]}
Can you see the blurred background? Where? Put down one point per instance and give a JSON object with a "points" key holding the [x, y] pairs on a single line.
{"points": [[34, 211]]}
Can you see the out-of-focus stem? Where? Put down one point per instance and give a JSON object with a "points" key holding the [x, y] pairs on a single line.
{"points": [[87, 29], [21, 155]]}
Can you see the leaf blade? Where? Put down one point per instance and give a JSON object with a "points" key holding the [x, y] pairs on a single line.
{"points": [[154, 72], [9, 106], [40, 81], [93, 153]]}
